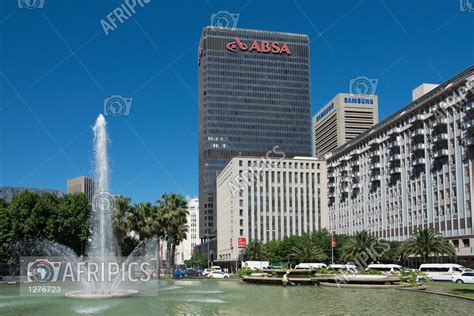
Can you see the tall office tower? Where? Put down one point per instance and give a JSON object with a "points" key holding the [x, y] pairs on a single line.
{"points": [[254, 94], [82, 185], [412, 170], [342, 119]]}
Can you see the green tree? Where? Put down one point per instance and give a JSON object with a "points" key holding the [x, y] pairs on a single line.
{"points": [[256, 251], [307, 251], [22, 223], [361, 243], [197, 260], [69, 224], [426, 242]]}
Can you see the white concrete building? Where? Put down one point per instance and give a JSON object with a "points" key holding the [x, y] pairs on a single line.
{"points": [[341, 120], [185, 249], [268, 199], [412, 170]]}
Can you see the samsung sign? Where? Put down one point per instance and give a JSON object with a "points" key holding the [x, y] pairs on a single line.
{"points": [[358, 100], [324, 112]]}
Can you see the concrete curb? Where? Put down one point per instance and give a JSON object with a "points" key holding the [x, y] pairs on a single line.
{"points": [[437, 293]]}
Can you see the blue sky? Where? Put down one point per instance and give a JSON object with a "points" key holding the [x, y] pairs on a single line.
{"points": [[57, 66]]}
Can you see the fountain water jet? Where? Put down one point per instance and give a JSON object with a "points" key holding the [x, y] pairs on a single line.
{"points": [[103, 242]]}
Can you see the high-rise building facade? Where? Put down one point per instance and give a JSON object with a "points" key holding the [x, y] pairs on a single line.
{"points": [[342, 119], [412, 170], [82, 185], [268, 199], [8, 193], [185, 249], [254, 94]]}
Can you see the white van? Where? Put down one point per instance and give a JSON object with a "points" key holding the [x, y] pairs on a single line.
{"points": [[441, 271], [385, 268], [256, 264], [348, 268], [310, 266]]}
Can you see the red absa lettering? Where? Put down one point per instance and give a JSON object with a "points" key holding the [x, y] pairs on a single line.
{"points": [[255, 47], [285, 49], [266, 47], [275, 48]]}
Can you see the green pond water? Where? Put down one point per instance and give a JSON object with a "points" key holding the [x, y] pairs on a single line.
{"points": [[234, 297]]}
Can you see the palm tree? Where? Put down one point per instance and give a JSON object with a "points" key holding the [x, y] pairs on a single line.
{"points": [[173, 210], [256, 251], [426, 242], [120, 219], [361, 243], [307, 252], [145, 220]]}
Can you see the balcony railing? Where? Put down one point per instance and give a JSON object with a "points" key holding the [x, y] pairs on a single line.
{"points": [[470, 107], [375, 165], [469, 124], [394, 144], [376, 178], [440, 137], [396, 170], [374, 154], [419, 161], [420, 146], [395, 157], [441, 153], [440, 122], [418, 132], [470, 141], [416, 118]]}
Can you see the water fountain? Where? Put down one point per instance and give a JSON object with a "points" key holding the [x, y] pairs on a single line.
{"points": [[103, 243]]}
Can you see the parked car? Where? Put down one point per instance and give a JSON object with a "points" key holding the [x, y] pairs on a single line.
{"points": [[206, 272], [178, 274], [218, 275], [465, 277], [194, 273]]}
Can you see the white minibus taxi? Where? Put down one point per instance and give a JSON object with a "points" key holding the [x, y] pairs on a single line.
{"points": [[441, 271], [385, 268], [310, 266]]}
